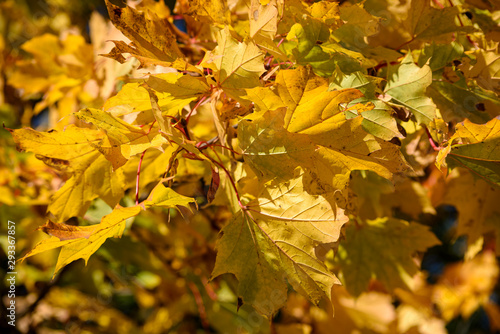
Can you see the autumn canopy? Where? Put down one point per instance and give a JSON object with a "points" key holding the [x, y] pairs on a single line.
{"points": [[269, 166]]}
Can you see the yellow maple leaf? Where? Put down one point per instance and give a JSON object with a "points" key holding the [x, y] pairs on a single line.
{"points": [[477, 150], [73, 152], [59, 69], [153, 42], [236, 65], [311, 131], [82, 242], [125, 140], [174, 92], [276, 241], [263, 18]]}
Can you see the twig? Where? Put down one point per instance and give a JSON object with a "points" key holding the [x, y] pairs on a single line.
{"points": [[199, 303], [139, 168], [431, 140], [195, 107]]}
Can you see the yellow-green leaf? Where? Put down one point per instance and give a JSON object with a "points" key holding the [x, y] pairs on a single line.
{"points": [[427, 23], [406, 85], [75, 246], [312, 132], [74, 153], [127, 139], [382, 249], [236, 65], [482, 155], [167, 198], [174, 91], [278, 241], [377, 121]]}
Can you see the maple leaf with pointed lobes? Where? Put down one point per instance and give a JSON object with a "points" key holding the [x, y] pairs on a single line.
{"points": [[74, 153], [153, 42], [275, 242], [306, 148], [125, 140], [382, 249], [80, 242], [425, 22], [377, 121], [174, 92], [235, 65], [310, 130], [406, 85], [478, 151], [165, 197], [263, 19], [308, 44]]}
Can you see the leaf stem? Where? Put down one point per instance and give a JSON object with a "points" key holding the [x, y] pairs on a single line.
{"points": [[439, 4], [406, 43], [243, 207], [195, 107], [139, 168], [138, 176], [199, 303], [431, 140]]}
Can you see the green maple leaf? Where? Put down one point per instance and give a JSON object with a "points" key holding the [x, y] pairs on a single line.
{"points": [[440, 55], [459, 101], [377, 121], [406, 85], [482, 153], [382, 249], [308, 44]]}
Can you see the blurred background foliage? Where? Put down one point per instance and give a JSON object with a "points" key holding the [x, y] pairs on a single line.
{"points": [[155, 279]]}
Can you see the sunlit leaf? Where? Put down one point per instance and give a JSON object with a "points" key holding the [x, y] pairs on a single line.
{"points": [[277, 242], [74, 153], [406, 85], [74, 245], [481, 154], [153, 41]]}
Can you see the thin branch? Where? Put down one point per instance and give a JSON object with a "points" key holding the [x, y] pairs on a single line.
{"points": [[199, 303], [204, 97], [138, 176], [434, 145]]}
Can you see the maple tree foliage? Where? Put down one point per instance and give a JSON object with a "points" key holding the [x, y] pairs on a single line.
{"points": [[279, 162]]}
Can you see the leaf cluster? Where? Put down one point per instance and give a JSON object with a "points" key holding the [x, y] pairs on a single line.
{"points": [[315, 139]]}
